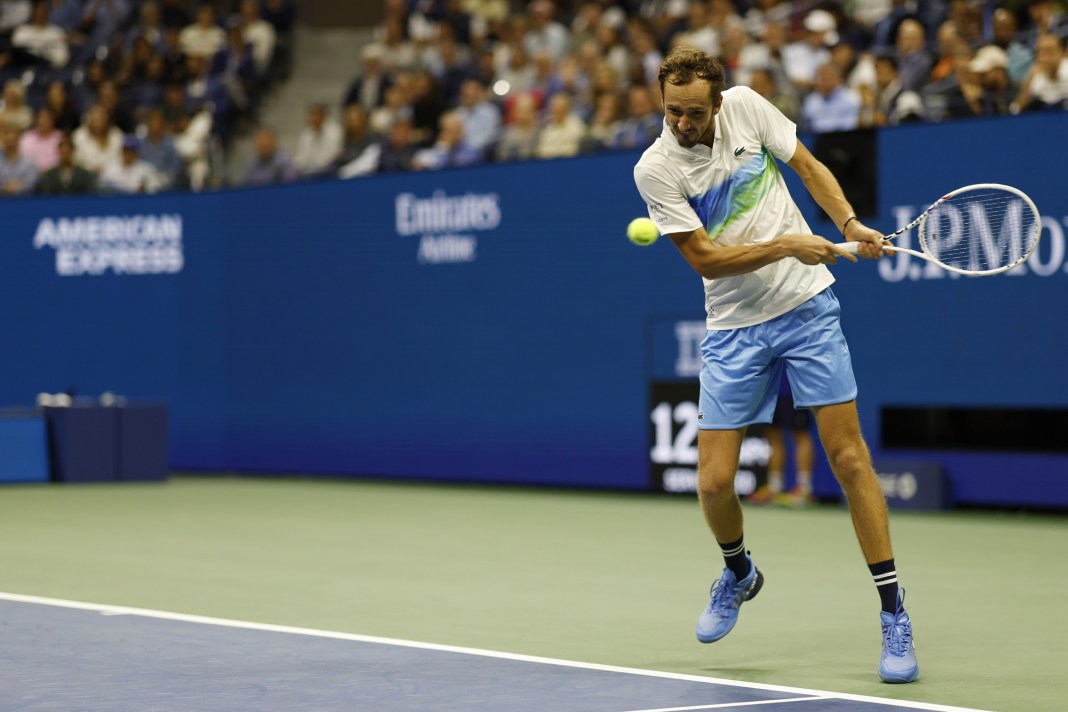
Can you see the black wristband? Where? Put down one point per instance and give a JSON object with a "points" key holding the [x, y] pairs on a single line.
{"points": [[846, 223]]}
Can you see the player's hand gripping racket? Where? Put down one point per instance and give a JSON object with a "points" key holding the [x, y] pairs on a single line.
{"points": [[980, 229]]}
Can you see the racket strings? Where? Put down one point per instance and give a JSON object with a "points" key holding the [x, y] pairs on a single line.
{"points": [[980, 230]]}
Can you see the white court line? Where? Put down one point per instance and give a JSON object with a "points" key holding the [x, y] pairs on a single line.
{"points": [[109, 610], [732, 705]]}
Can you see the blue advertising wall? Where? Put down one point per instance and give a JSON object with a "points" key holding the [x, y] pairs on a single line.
{"points": [[493, 324]]}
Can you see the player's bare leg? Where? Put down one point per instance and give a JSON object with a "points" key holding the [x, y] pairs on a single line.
{"points": [[850, 460], [718, 452]]}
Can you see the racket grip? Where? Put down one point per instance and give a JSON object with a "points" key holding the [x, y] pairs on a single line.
{"points": [[850, 246]]}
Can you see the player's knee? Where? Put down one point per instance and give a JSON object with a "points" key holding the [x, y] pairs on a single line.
{"points": [[713, 485], [850, 463]]}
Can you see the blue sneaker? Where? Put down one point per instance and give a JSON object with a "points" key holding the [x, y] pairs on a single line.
{"points": [[728, 595], [898, 661]]}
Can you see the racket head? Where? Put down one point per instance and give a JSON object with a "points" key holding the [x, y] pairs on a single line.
{"points": [[980, 229]]}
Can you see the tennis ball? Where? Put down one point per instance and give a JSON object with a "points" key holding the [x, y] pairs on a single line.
{"points": [[642, 231]]}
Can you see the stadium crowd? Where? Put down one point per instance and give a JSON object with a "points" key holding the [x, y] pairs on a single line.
{"points": [[129, 96], [458, 82], [143, 95]]}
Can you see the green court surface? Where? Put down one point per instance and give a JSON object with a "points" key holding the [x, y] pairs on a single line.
{"points": [[611, 578]]}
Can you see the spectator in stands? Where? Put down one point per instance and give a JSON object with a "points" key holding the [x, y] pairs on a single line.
{"points": [[319, 143], [518, 72], [615, 51], [42, 39], [547, 80], [100, 21], [763, 82], [451, 149], [17, 173], [1046, 18], [427, 104], [519, 139], [696, 31], [884, 34], [986, 86], [949, 43], [40, 145], [643, 123], [646, 52], [830, 106], [133, 66], [259, 33], [451, 65], [174, 14], [1046, 85], [398, 147], [360, 148], [945, 99], [14, 13], [67, 177], [270, 164], [802, 59], [1004, 28], [369, 88], [59, 103], [146, 93], [397, 52], [913, 59], [282, 15], [605, 123], [545, 34], [87, 92], [481, 117], [110, 98], [158, 149], [204, 37], [67, 14], [662, 17], [151, 27], [15, 112], [762, 13], [564, 133], [887, 103], [130, 174], [765, 54], [97, 141], [235, 66], [207, 92], [395, 107]]}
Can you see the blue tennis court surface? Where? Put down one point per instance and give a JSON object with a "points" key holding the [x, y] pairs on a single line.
{"points": [[80, 657]]}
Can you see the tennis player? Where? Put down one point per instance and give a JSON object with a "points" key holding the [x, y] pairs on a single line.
{"points": [[712, 184]]}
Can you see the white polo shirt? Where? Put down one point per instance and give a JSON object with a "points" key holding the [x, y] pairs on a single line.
{"points": [[736, 191]]}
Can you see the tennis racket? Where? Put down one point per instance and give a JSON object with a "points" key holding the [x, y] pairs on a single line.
{"points": [[977, 230]]}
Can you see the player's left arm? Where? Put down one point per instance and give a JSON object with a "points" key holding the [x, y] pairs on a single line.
{"points": [[825, 190]]}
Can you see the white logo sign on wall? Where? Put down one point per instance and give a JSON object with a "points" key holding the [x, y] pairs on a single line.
{"points": [[1048, 260], [445, 223], [125, 245]]}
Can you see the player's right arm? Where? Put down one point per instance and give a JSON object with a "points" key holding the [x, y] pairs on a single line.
{"points": [[714, 261]]}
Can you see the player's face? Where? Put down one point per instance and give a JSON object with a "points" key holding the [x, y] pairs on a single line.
{"points": [[690, 113]]}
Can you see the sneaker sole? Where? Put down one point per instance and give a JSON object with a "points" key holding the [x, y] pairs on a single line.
{"points": [[900, 679], [754, 589]]}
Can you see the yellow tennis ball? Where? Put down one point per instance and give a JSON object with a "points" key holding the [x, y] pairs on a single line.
{"points": [[642, 231]]}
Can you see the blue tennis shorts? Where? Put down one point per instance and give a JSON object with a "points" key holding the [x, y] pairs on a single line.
{"points": [[743, 367]]}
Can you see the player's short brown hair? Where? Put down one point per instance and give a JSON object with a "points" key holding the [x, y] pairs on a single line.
{"points": [[684, 64]]}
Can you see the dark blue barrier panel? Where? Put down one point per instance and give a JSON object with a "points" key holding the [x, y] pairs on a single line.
{"points": [[914, 484], [23, 447], [82, 441], [141, 443], [490, 324]]}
